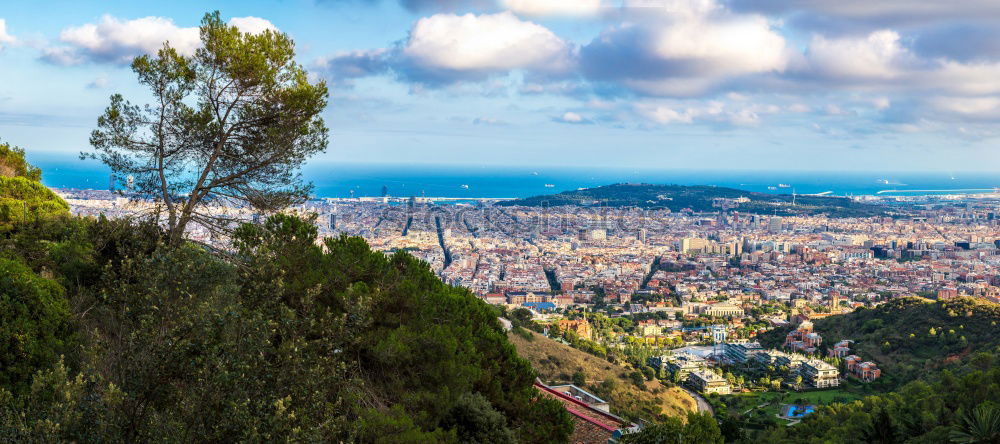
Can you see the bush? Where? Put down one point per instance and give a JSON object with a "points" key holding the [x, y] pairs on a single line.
{"points": [[34, 323], [522, 332]]}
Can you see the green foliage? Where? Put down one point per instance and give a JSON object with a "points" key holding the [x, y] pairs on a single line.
{"points": [[475, 421], [13, 164], [524, 333], [286, 340], [909, 337], [22, 197], [700, 428], [701, 198], [24, 200], [981, 425], [637, 379], [418, 343], [951, 407], [520, 316], [34, 324], [235, 121]]}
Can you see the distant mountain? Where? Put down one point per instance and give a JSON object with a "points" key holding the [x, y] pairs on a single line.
{"points": [[703, 198]]}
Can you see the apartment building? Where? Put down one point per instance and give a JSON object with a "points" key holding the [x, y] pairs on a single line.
{"points": [[819, 374]]}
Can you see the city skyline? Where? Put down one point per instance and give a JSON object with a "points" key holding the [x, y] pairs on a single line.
{"points": [[794, 85]]}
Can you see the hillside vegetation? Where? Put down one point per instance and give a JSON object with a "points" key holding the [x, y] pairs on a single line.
{"points": [[22, 196], [701, 198], [959, 407], [112, 334], [911, 337], [557, 363]]}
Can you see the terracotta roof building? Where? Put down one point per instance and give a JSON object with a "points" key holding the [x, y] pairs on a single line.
{"points": [[590, 425]]}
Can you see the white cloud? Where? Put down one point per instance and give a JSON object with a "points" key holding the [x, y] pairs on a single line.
{"points": [[881, 102], [252, 25], [880, 60], [977, 108], [684, 47], [445, 47], [100, 82], [744, 117], [836, 110], [966, 78], [117, 41], [898, 12], [799, 108], [5, 38], [113, 40], [489, 121], [878, 55], [572, 118], [565, 8], [712, 112], [664, 115], [733, 46]]}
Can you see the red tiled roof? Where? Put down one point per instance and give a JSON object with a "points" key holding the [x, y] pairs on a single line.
{"points": [[583, 411]]}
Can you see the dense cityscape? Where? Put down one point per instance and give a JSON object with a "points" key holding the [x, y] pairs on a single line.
{"points": [[657, 260], [686, 294]]}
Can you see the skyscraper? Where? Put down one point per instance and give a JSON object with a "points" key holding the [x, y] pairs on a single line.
{"points": [[774, 224]]}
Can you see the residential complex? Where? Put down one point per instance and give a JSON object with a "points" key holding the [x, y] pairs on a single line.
{"points": [[708, 382], [819, 374]]}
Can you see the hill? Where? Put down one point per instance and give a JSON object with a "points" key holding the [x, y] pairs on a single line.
{"points": [[702, 198], [22, 196], [940, 375], [960, 407], [910, 337], [557, 363]]}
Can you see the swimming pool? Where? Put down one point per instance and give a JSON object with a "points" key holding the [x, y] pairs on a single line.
{"points": [[798, 412]]}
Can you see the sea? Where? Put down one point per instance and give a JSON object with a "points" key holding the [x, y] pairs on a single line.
{"points": [[482, 181]]}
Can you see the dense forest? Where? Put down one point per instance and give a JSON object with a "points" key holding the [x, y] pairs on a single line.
{"points": [[702, 198], [910, 337], [112, 334], [952, 408]]}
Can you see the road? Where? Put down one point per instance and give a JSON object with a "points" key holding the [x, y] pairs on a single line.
{"points": [[703, 405]]}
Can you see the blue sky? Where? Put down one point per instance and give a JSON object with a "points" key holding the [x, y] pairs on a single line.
{"points": [[708, 84]]}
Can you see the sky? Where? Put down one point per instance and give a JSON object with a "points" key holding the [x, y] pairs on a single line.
{"points": [[862, 85]]}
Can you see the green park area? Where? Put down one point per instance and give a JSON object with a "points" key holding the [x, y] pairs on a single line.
{"points": [[763, 407]]}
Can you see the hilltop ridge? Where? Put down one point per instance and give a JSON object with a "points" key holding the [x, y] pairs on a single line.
{"points": [[703, 198]]}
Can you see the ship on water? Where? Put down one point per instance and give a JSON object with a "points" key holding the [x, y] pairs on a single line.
{"points": [[784, 185]]}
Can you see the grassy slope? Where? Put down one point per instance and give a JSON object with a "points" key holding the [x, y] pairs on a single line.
{"points": [[556, 362]]}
